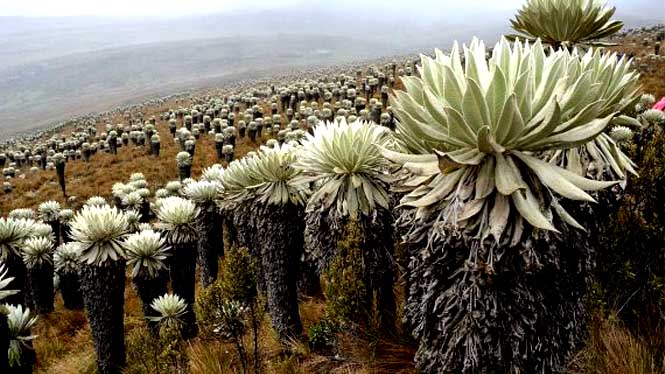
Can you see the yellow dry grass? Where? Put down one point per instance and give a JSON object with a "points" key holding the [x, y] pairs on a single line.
{"points": [[95, 178], [652, 75]]}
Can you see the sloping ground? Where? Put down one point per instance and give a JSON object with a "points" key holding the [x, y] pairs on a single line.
{"points": [[651, 68], [65, 346]]}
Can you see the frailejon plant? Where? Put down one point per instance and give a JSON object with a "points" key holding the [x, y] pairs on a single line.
{"points": [[566, 23], [171, 309], [22, 213], [96, 201], [239, 223], [204, 194], [350, 178], [260, 186], [65, 217], [67, 264], [133, 220], [146, 252], [21, 354], [49, 212], [184, 162], [5, 280], [155, 145], [60, 162], [37, 255], [12, 234], [98, 231], [177, 220], [499, 266]]}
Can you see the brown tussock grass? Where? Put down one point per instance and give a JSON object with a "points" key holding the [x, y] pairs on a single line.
{"points": [[95, 178], [653, 79], [611, 348]]}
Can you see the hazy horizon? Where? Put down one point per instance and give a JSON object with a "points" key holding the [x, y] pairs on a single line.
{"points": [[175, 8], [70, 57]]}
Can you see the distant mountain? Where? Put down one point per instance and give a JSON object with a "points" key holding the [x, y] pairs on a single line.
{"points": [[53, 68]]}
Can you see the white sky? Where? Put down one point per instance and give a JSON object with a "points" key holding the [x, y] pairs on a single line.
{"points": [[53, 8]]}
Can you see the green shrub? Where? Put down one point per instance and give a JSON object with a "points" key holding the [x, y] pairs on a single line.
{"points": [[143, 352], [147, 355], [173, 349], [230, 307], [346, 293], [631, 269], [322, 336]]}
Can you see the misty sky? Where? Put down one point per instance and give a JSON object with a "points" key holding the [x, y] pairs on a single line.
{"points": [[191, 7], [171, 8]]}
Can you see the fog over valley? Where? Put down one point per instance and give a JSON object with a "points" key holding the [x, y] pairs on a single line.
{"points": [[90, 60]]}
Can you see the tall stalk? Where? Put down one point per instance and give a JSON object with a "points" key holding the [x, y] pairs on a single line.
{"points": [[177, 220], [99, 230]]}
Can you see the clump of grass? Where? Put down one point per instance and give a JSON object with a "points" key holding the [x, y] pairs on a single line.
{"points": [[61, 333], [143, 352], [612, 348], [210, 357]]}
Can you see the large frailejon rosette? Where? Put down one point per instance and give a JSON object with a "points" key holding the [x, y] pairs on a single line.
{"points": [[566, 23], [498, 262], [475, 134]]}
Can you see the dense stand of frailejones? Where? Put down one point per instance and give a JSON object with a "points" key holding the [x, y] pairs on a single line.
{"points": [[487, 167]]}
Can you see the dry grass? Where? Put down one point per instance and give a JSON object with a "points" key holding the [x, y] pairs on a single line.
{"points": [[98, 176], [65, 343], [652, 75], [611, 348], [357, 355]]}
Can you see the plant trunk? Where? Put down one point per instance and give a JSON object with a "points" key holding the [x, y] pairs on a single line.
{"points": [[60, 170], [325, 229], [144, 211], [183, 282], [41, 287], [210, 239], [309, 283], [103, 289], [4, 343], [486, 308], [244, 232], [154, 148], [184, 172], [281, 245], [55, 226], [378, 249], [229, 235], [70, 289], [148, 290], [16, 269], [64, 233]]}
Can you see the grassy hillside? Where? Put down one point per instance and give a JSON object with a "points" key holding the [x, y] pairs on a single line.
{"points": [[64, 344]]}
